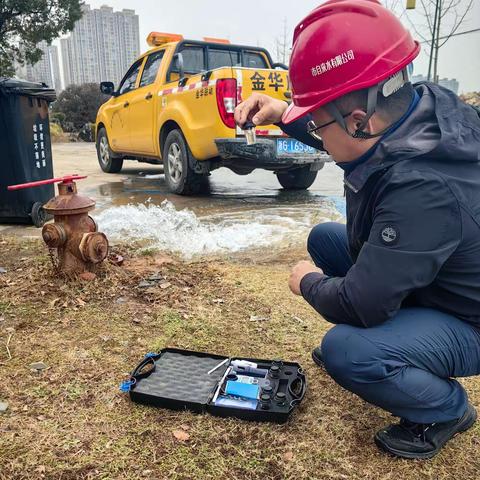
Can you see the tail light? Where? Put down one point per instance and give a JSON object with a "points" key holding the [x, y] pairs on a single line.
{"points": [[227, 100]]}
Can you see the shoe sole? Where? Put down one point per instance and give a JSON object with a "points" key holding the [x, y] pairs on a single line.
{"points": [[468, 423]]}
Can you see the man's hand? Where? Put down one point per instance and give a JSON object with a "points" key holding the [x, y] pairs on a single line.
{"points": [[298, 272], [260, 109]]}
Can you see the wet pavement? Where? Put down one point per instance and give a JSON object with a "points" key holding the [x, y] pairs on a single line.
{"points": [[240, 212]]}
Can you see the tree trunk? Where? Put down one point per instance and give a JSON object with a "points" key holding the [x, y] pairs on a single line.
{"points": [[437, 47], [432, 44]]}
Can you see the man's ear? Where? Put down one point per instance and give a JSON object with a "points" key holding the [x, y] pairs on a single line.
{"points": [[355, 120]]}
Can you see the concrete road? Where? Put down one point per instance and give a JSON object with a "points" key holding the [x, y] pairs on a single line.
{"points": [[241, 200]]}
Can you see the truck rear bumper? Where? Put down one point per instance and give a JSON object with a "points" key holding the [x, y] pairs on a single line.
{"points": [[263, 154]]}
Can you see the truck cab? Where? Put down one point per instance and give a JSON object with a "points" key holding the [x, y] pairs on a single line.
{"points": [[175, 106]]}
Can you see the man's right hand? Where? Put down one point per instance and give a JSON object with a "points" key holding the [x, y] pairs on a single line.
{"points": [[260, 109]]}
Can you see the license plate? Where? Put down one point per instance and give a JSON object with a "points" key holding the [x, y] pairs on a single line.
{"points": [[292, 146]]}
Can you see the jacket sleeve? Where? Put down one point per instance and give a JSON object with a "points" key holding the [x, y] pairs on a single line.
{"points": [[416, 227], [298, 130]]}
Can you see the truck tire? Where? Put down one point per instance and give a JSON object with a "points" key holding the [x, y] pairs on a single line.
{"points": [[297, 179], [106, 158], [177, 164]]}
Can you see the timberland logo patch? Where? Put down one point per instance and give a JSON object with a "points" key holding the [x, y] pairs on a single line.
{"points": [[389, 235]]}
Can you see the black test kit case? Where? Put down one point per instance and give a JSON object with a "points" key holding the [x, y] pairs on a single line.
{"points": [[245, 388]]}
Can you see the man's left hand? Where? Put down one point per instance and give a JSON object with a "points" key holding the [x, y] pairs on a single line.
{"points": [[298, 272]]}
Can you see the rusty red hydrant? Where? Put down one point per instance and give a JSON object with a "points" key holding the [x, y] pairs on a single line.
{"points": [[74, 233]]}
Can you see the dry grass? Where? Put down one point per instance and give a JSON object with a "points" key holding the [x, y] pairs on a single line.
{"points": [[71, 421]]}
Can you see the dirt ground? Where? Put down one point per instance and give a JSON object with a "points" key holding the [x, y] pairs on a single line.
{"points": [[71, 422]]}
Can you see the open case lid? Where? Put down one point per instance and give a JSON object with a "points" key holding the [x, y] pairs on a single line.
{"points": [[176, 378]]}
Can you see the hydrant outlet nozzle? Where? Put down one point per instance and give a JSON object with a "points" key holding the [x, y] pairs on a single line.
{"points": [[94, 247], [54, 235]]}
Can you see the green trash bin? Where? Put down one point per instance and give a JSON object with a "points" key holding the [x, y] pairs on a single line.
{"points": [[25, 150]]}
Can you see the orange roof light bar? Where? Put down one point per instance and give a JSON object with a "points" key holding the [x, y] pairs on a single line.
{"points": [[155, 39], [216, 40]]}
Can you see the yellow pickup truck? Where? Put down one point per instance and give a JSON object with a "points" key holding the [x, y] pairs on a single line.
{"points": [[175, 106]]}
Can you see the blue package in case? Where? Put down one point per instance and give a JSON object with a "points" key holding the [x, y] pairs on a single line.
{"points": [[236, 402], [239, 389]]}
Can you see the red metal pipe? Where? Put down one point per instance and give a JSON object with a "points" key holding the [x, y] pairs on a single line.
{"points": [[65, 179]]}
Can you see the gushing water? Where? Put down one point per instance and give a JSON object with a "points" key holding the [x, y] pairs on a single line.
{"points": [[181, 231]]}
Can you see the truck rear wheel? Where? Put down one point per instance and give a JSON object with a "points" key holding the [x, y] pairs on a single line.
{"points": [[108, 163], [297, 179], [177, 161]]}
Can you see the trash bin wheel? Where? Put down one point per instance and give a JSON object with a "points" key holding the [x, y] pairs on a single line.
{"points": [[38, 214], [106, 158]]}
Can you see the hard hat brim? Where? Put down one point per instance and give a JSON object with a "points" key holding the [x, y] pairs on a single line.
{"points": [[293, 113]]}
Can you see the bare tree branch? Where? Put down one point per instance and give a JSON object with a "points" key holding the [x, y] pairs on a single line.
{"points": [[417, 31], [457, 23]]}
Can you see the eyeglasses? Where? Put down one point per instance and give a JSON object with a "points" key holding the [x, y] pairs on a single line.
{"points": [[312, 128]]}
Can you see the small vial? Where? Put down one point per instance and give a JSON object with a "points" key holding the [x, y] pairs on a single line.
{"points": [[265, 399], [274, 371], [280, 398], [250, 134]]}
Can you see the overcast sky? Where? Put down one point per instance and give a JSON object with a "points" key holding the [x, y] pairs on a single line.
{"points": [[260, 22]]}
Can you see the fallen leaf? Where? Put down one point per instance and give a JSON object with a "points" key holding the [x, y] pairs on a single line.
{"points": [[116, 259], [81, 302], [288, 456], [88, 276], [54, 301], [181, 435]]}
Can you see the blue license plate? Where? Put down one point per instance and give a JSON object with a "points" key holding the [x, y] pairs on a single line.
{"points": [[292, 146]]}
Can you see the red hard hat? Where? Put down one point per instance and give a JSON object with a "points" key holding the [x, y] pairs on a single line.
{"points": [[342, 46]]}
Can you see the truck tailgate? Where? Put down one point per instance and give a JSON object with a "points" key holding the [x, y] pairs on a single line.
{"points": [[274, 83]]}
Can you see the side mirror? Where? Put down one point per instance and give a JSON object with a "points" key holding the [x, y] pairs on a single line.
{"points": [[280, 65], [108, 88], [178, 65]]}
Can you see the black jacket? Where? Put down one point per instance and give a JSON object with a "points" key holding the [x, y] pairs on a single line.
{"points": [[413, 219]]}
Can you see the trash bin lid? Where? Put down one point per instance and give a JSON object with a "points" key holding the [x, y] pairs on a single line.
{"points": [[15, 86]]}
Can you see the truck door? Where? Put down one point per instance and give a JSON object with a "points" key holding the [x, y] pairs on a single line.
{"points": [[119, 132], [142, 107]]}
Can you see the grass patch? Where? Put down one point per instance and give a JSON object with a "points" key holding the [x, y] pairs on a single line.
{"points": [[71, 422]]}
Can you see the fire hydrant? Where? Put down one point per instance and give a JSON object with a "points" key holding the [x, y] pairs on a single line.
{"points": [[74, 233]]}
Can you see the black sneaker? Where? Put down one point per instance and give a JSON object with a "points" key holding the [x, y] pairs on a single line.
{"points": [[317, 357], [416, 440]]}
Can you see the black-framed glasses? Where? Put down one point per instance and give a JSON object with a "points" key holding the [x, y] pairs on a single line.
{"points": [[312, 128]]}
